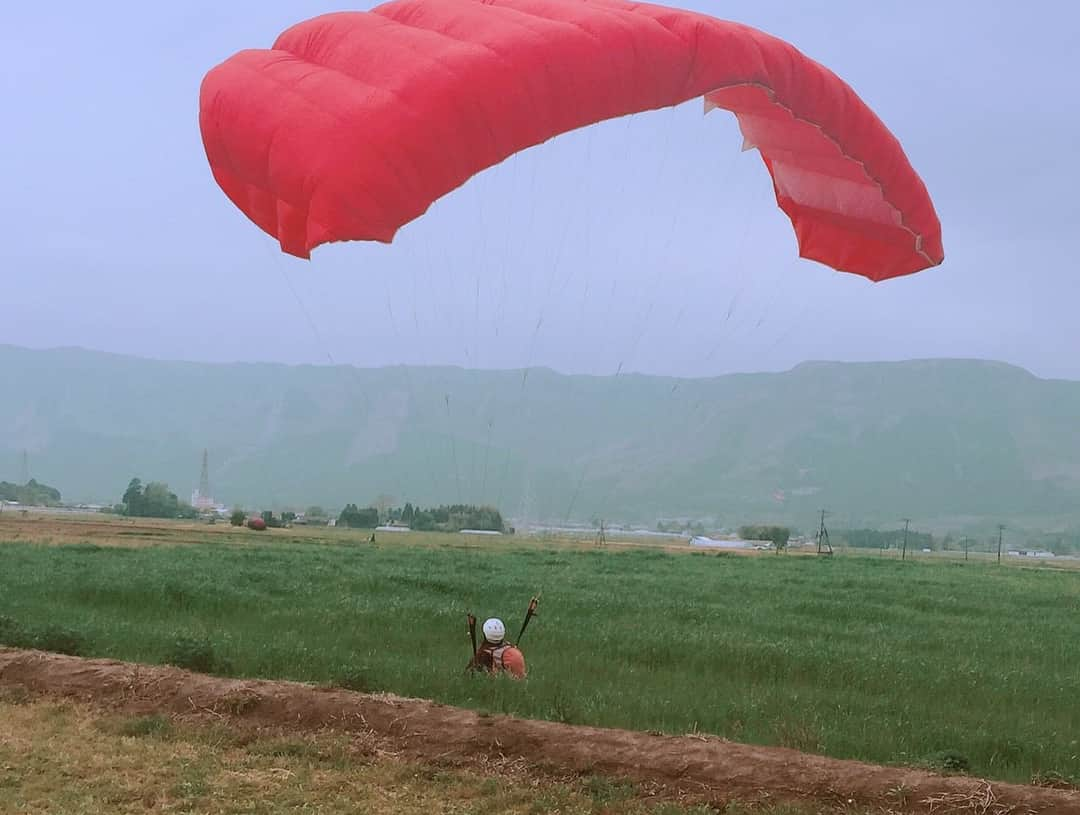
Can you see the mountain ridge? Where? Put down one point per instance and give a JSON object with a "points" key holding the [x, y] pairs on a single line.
{"points": [[938, 439], [805, 364]]}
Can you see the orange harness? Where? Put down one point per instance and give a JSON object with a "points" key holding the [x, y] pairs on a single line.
{"points": [[504, 657]]}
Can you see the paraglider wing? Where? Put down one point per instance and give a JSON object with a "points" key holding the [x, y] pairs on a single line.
{"points": [[354, 123]]}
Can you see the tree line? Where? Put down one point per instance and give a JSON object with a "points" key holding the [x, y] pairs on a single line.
{"points": [[443, 518], [778, 535], [1064, 542], [31, 493], [154, 500], [885, 539]]}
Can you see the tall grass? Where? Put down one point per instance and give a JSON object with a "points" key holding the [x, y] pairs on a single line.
{"points": [[852, 657]]}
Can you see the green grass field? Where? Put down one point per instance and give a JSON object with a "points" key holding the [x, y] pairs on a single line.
{"points": [[853, 657]]}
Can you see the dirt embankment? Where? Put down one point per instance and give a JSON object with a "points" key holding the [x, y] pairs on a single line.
{"points": [[711, 770]]}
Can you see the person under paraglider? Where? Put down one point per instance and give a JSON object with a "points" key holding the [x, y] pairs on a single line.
{"points": [[496, 654]]}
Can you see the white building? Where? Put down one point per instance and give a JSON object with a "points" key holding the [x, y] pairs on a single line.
{"points": [[204, 503]]}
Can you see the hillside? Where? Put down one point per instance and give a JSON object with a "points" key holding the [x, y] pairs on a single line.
{"points": [[931, 440]]}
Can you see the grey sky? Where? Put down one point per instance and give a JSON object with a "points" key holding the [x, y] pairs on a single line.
{"points": [[650, 243]]}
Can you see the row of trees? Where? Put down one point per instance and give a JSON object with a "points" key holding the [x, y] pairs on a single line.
{"points": [[272, 521], [444, 518], [356, 518], [674, 527], [31, 493], [885, 539], [778, 535], [154, 500], [453, 518], [1059, 543]]}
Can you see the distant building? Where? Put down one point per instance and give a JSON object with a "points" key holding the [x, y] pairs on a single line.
{"points": [[202, 502], [727, 543]]}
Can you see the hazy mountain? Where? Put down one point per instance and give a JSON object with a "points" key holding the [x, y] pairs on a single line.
{"points": [[931, 440]]}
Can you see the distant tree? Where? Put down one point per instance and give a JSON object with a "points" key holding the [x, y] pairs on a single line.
{"points": [[155, 500], [884, 539], [356, 518], [423, 521], [347, 514], [238, 517], [288, 517], [271, 521], [133, 498], [454, 518], [316, 513], [31, 493], [382, 503], [408, 514], [160, 502], [778, 535]]}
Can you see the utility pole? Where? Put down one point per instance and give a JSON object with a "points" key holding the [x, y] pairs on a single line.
{"points": [[1001, 530], [601, 536], [967, 545], [823, 545], [204, 476], [906, 521]]}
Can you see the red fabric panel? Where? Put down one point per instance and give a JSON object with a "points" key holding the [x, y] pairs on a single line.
{"points": [[354, 123]]}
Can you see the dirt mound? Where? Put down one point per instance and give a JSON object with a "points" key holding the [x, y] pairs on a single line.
{"points": [[710, 769]]}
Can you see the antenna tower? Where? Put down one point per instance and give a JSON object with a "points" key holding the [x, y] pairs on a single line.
{"points": [[204, 478]]}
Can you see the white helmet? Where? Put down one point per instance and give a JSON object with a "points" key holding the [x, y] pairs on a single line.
{"points": [[494, 630]]}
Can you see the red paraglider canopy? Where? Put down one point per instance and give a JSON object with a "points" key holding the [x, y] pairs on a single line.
{"points": [[356, 122]]}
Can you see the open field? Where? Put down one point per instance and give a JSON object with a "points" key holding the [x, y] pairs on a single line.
{"points": [[853, 657], [78, 758], [43, 525]]}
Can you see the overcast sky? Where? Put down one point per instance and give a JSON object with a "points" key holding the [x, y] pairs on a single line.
{"points": [[649, 243]]}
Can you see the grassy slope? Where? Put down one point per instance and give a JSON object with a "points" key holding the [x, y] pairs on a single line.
{"points": [[853, 657], [77, 760], [873, 442]]}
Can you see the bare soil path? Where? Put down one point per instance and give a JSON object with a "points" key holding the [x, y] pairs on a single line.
{"points": [[710, 770]]}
